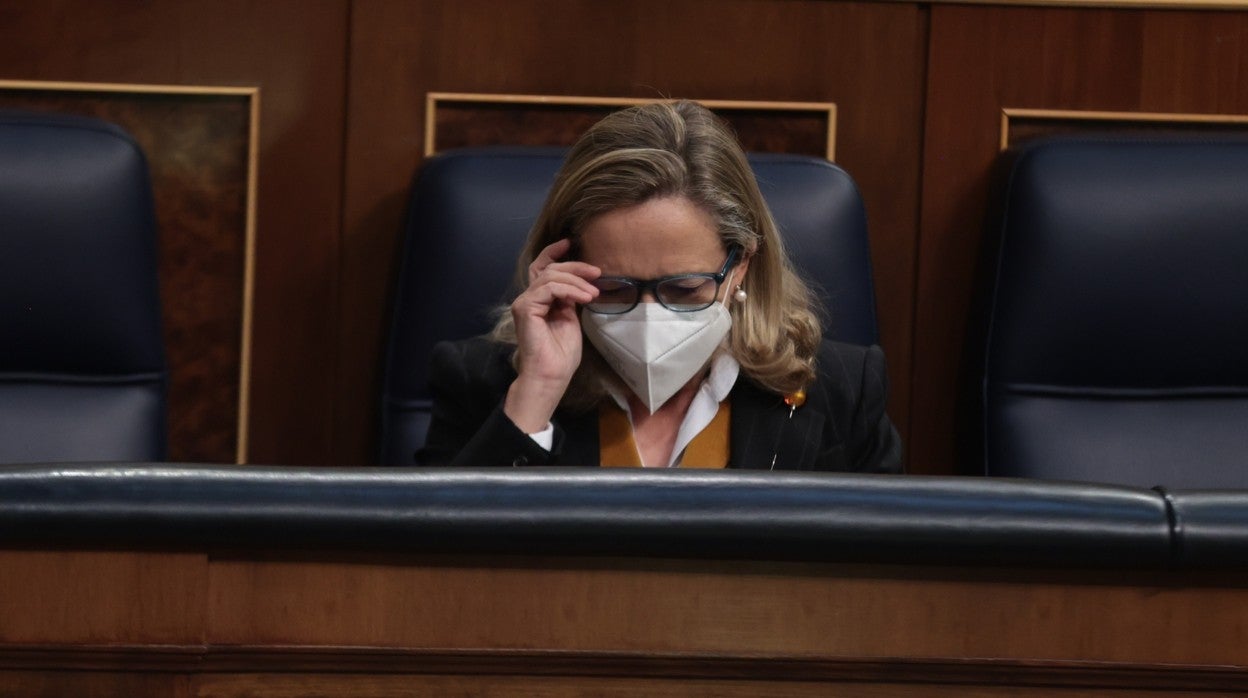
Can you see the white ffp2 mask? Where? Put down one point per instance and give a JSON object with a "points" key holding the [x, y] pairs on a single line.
{"points": [[654, 350]]}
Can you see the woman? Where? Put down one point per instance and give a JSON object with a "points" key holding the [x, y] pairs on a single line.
{"points": [[659, 323]]}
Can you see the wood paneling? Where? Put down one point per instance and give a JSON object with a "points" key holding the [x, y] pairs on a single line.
{"points": [[915, 104], [477, 120], [278, 623], [984, 59], [97, 598], [866, 57], [330, 686], [93, 684], [726, 609], [285, 670], [1022, 125], [295, 52]]}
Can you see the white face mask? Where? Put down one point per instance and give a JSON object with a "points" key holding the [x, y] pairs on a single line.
{"points": [[655, 350]]}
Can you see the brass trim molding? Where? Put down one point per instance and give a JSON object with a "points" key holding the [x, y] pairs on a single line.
{"points": [[252, 94], [432, 100], [54, 86], [1223, 5], [249, 280], [1110, 116]]}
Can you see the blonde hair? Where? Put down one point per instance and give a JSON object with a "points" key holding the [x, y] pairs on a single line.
{"points": [[682, 149]]}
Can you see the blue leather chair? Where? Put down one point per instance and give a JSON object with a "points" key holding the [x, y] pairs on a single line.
{"points": [[1119, 322], [82, 366], [470, 212]]}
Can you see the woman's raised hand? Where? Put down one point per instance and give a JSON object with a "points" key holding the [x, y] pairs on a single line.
{"points": [[548, 335]]}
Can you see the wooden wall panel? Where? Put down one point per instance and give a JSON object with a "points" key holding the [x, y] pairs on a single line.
{"points": [[1020, 126], [983, 59], [295, 52], [285, 623], [337, 150], [539, 120], [58, 683], [102, 598], [727, 609], [866, 57], [331, 686]]}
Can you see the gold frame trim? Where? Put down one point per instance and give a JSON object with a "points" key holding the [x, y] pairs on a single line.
{"points": [[1120, 4], [433, 98], [249, 244], [1105, 116]]}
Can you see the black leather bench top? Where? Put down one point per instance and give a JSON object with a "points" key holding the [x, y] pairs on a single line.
{"points": [[657, 513]]}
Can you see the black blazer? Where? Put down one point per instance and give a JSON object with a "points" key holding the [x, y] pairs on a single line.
{"points": [[841, 427]]}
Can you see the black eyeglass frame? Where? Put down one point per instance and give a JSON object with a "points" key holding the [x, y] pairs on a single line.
{"points": [[652, 285]]}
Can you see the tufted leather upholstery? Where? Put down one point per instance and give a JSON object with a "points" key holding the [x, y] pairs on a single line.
{"points": [[470, 212], [82, 368], [1118, 333]]}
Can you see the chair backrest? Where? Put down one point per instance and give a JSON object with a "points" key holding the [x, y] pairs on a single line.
{"points": [[470, 212], [82, 367], [1119, 322]]}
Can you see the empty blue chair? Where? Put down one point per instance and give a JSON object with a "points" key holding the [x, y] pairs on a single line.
{"points": [[1119, 321], [82, 365]]}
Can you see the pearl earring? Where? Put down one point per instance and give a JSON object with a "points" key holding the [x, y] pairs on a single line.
{"points": [[740, 295]]}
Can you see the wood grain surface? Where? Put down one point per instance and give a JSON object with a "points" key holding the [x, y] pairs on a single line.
{"points": [[314, 623]]}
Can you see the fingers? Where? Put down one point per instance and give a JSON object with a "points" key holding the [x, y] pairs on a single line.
{"points": [[547, 326], [551, 253], [557, 274], [551, 280], [549, 258], [539, 298]]}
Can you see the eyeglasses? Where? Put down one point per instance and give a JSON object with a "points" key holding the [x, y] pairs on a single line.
{"points": [[682, 293]]}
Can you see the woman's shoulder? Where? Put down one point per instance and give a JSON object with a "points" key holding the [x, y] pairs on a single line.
{"points": [[832, 348], [849, 367], [479, 348], [476, 358], [853, 382], [842, 370]]}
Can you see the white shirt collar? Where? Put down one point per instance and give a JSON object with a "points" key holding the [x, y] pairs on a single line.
{"points": [[714, 389]]}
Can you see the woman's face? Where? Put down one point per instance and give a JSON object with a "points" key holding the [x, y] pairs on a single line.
{"points": [[659, 237]]}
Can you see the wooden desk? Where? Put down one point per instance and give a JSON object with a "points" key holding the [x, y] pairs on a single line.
{"points": [[212, 623]]}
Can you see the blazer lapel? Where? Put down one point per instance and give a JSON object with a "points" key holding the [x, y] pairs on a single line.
{"points": [[763, 429], [580, 445]]}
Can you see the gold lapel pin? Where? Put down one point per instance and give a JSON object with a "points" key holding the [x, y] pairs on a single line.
{"points": [[794, 400]]}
